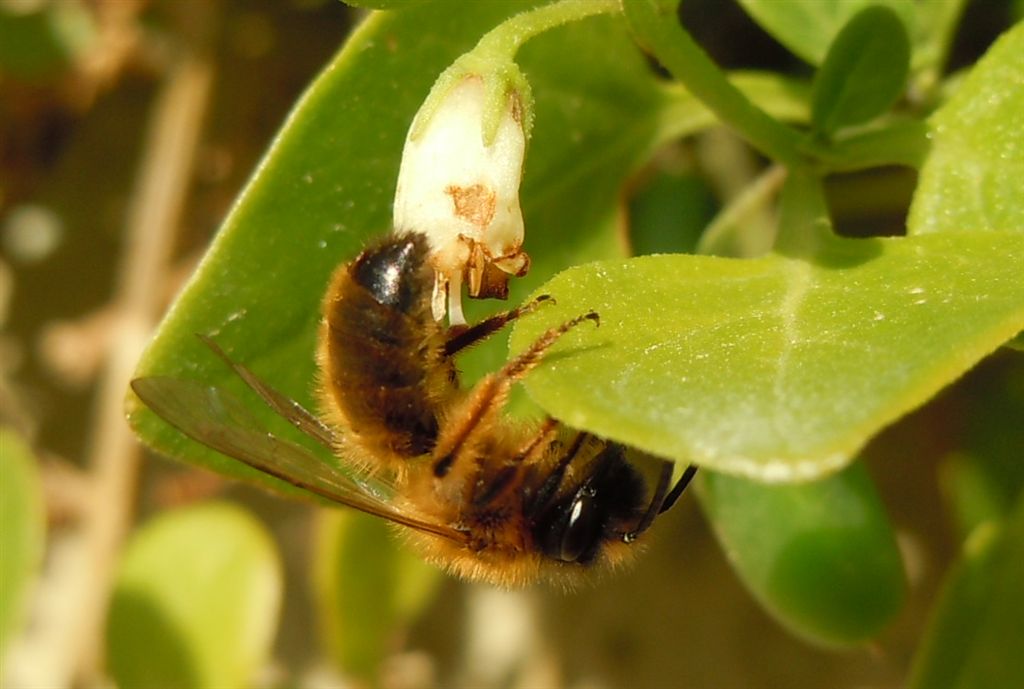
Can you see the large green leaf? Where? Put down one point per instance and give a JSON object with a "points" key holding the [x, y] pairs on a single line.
{"points": [[327, 183], [775, 368], [22, 529], [971, 179], [820, 556], [975, 636], [195, 602]]}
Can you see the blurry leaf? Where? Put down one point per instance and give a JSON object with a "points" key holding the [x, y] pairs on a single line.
{"points": [[42, 42], [808, 27], [971, 180], [974, 497], [821, 557], [195, 602], [975, 635], [937, 23], [864, 71], [22, 530], [327, 185], [983, 480], [668, 212], [774, 368], [368, 589]]}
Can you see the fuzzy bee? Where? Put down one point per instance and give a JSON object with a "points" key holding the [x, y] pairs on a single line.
{"points": [[484, 497]]}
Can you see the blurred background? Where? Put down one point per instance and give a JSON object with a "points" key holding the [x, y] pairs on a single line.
{"points": [[127, 127]]}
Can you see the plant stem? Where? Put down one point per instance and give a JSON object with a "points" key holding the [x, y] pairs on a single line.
{"points": [[901, 143], [507, 37], [151, 227], [804, 224], [655, 24]]}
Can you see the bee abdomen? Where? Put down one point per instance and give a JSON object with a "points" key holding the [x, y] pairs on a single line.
{"points": [[375, 355]]}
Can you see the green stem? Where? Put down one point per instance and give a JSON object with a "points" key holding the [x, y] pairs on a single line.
{"points": [[724, 235], [507, 37], [493, 59], [655, 24], [901, 143], [804, 224]]}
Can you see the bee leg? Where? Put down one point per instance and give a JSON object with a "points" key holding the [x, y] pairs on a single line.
{"points": [[521, 365], [505, 478], [460, 338], [489, 395]]}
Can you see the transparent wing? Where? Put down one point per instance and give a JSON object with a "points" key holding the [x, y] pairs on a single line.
{"points": [[215, 418], [285, 406]]}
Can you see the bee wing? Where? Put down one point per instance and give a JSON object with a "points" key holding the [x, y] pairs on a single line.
{"points": [[215, 418], [285, 406]]}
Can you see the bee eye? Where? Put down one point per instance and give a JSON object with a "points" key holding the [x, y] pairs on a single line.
{"points": [[580, 529]]}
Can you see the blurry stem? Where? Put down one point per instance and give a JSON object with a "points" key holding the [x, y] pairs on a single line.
{"points": [[805, 228], [720, 237], [113, 458]]}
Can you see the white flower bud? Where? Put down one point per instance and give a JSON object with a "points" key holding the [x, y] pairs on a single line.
{"points": [[463, 193]]}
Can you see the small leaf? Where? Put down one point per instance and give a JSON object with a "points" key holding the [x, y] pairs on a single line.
{"points": [[971, 179], [195, 602], [808, 27], [975, 636], [22, 530], [864, 71], [821, 556], [368, 587], [774, 368]]}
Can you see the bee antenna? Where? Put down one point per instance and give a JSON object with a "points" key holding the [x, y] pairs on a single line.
{"points": [[678, 489], [662, 500]]}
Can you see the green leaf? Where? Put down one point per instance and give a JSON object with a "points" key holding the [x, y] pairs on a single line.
{"points": [[970, 489], [41, 43], [774, 368], [864, 71], [975, 636], [327, 185], [22, 530], [195, 601], [971, 180], [821, 556], [383, 4], [668, 212], [368, 588], [808, 27]]}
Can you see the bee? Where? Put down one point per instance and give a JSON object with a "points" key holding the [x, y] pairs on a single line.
{"points": [[486, 498]]}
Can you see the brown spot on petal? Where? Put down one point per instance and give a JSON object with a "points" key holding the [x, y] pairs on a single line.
{"points": [[475, 203]]}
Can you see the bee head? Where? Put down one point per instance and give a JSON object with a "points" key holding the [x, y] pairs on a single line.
{"points": [[611, 496]]}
